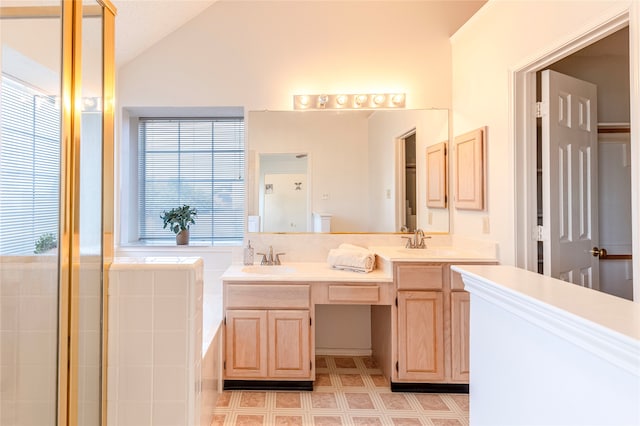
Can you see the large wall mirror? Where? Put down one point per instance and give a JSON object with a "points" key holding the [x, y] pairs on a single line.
{"points": [[345, 171]]}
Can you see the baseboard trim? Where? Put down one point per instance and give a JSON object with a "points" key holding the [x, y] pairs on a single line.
{"points": [[430, 387], [268, 385]]}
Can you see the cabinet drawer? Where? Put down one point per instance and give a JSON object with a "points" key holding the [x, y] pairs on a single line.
{"points": [[354, 293], [419, 276], [255, 296]]}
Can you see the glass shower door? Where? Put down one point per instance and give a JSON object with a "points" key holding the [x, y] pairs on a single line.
{"points": [[56, 171], [30, 117]]}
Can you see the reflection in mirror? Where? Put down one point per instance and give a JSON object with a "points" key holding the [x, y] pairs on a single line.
{"points": [[284, 190], [356, 169]]}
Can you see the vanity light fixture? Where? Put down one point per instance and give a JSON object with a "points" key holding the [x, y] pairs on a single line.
{"points": [[353, 101]]}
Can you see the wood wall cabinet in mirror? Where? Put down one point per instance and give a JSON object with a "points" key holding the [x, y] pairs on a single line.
{"points": [[437, 175], [470, 165], [354, 161]]}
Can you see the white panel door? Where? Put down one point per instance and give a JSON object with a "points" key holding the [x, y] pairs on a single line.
{"points": [[569, 179]]}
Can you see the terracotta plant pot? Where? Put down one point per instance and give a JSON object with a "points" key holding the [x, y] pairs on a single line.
{"points": [[182, 238]]}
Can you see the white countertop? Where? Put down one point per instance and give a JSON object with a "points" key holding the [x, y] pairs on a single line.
{"points": [[302, 271], [600, 309], [433, 254], [155, 262]]}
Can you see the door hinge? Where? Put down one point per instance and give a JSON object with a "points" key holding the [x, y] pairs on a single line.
{"points": [[224, 365], [397, 366], [309, 322], [310, 365], [542, 109], [538, 233], [396, 302]]}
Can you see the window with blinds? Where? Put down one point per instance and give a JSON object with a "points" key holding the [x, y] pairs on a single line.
{"points": [[29, 167], [198, 162]]}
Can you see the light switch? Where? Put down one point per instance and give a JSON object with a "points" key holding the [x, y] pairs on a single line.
{"points": [[485, 225], [325, 196], [388, 194]]}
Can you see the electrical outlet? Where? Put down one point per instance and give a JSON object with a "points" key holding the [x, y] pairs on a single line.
{"points": [[430, 218], [485, 225]]}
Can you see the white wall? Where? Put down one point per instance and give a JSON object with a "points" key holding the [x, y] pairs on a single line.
{"points": [[259, 54], [499, 39]]}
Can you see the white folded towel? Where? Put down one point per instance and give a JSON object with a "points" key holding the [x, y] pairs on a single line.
{"points": [[354, 258]]}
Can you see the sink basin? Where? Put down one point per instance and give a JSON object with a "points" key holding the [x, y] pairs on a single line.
{"points": [[268, 269]]}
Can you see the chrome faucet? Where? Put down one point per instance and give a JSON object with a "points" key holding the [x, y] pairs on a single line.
{"points": [[418, 240], [268, 258]]}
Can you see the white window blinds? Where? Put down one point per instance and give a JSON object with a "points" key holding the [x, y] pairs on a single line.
{"points": [[29, 167], [199, 162]]}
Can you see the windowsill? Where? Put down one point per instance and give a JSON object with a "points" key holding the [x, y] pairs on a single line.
{"points": [[166, 244]]}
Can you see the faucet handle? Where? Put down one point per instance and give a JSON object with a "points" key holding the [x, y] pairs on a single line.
{"points": [[263, 261], [277, 260], [409, 243]]}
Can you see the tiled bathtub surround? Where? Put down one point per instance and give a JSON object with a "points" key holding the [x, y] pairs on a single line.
{"points": [[155, 342], [347, 391], [28, 339]]}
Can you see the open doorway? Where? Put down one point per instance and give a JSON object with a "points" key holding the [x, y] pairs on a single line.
{"points": [[410, 194], [524, 99], [604, 63]]}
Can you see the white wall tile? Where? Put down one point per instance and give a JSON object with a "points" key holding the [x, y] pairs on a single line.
{"points": [[135, 283], [169, 383], [134, 383], [8, 383], [171, 283], [37, 348], [35, 383], [135, 313], [170, 313], [8, 413], [135, 348], [170, 348], [134, 414], [9, 306], [37, 313], [169, 414], [36, 414], [8, 348], [10, 278]]}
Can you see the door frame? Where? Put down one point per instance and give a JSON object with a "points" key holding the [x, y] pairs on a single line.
{"points": [[523, 128]]}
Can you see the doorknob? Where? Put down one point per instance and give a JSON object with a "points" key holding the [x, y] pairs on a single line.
{"points": [[596, 252]]}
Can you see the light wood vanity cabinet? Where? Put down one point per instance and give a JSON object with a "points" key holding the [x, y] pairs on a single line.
{"points": [[420, 336], [420, 322], [267, 333], [432, 324]]}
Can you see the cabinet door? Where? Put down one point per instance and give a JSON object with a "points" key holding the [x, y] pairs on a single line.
{"points": [[289, 345], [460, 336], [420, 336], [246, 344]]}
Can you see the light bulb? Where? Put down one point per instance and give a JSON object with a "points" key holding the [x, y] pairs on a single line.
{"points": [[360, 100], [397, 98], [378, 99], [341, 99]]}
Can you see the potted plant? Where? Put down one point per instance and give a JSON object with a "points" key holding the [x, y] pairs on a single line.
{"points": [[179, 220], [45, 242]]}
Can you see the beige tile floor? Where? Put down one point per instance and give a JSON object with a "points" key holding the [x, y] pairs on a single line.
{"points": [[347, 391]]}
